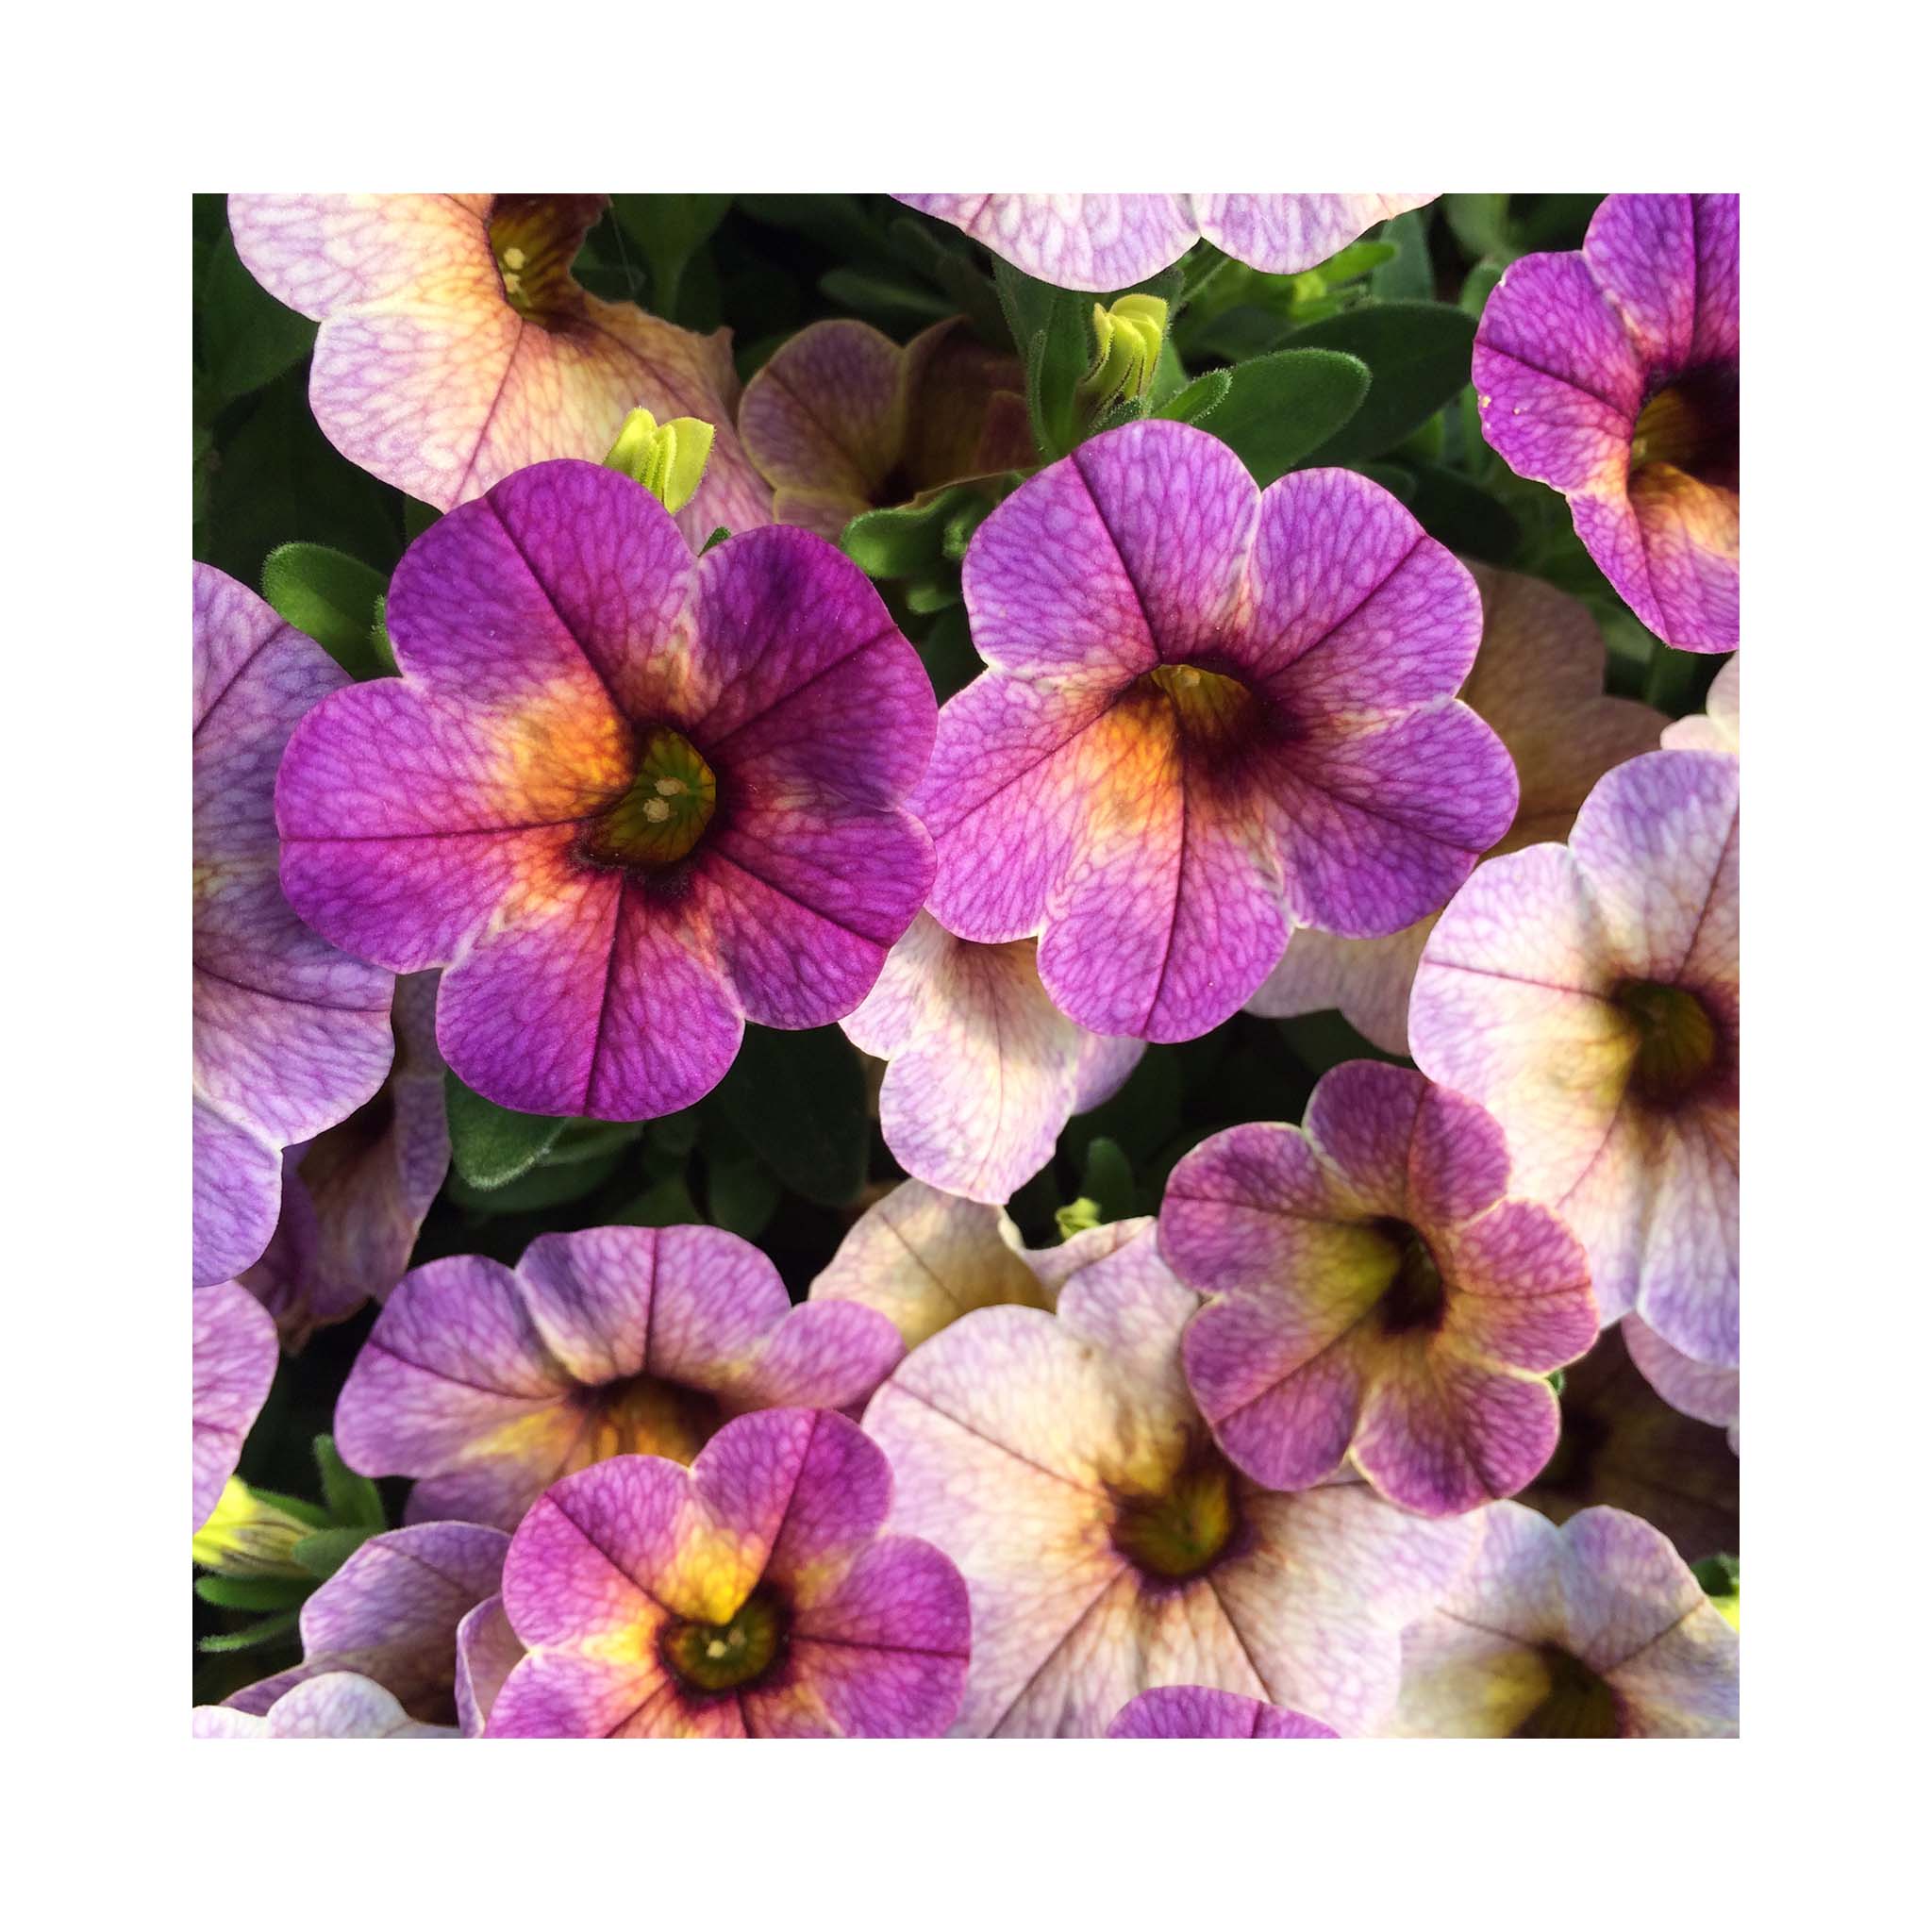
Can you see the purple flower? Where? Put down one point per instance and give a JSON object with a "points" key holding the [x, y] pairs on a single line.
{"points": [[923, 1258], [1107, 1545], [1104, 242], [842, 420], [1210, 709], [1717, 727], [487, 1385], [1539, 683], [628, 798], [1586, 996], [457, 348], [338, 1704], [235, 1355], [1190, 1710], [290, 1035], [1597, 1629], [355, 1197], [1612, 376], [985, 1070], [1375, 1296], [1625, 1444], [391, 1614], [1704, 1391], [751, 1595]]}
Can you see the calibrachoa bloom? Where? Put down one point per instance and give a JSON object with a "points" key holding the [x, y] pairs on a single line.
{"points": [[1715, 729], [1704, 1391], [487, 1653], [455, 347], [1612, 376], [355, 1197], [1374, 1295], [1623, 1444], [1107, 1545], [1104, 242], [487, 1384], [1588, 996], [290, 1035], [1188, 1710], [1539, 682], [1210, 709], [751, 1595], [841, 419], [924, 1258], [390, 1613], [1597, 1629], [631, 799], [235, 1355], [985, 1070], [336, 1705]]}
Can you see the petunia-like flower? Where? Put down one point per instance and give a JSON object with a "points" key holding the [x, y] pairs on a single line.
{"points": [[751, 1595], [984, 1069], [1109, 1546], [1625, 1444], [1210, 709], [1188, 1710], [390, 1613], [841, 419], [1716, 727], [1597, 1629], [338, 1704], [487, 1653], [1375, 1296], [1704, 1391], [631, 799], [235, 1355], [1539, 682], [1104, 241], [290, 1035], [455, 348], [924, 1258], [487, 1384], [1612, 376], [354, 1198], [1586, 996]]}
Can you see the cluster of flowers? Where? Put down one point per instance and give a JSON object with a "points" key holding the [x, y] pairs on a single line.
{"points": [[1241, 1469]]}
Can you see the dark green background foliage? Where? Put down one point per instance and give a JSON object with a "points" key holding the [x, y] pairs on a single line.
{"points": [[1363, 362]]}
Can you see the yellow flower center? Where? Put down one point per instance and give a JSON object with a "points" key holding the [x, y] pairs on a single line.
{"points": [[535, 238], [1415, 1300], [1576, 1702], [1182, 1530], [1691, 425], [664, 813], [716, 1658], [1676, 1040]]}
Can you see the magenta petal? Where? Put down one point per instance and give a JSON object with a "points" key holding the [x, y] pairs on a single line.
{"points": [[1191, 1711], [235, 1355]]}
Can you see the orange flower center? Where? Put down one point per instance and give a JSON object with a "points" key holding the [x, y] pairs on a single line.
{"points": [[535, 238], [1691, 425]]}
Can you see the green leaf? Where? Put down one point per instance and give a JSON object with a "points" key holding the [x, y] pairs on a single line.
{"points": [[247, 337], [941, 594], [887, 299], [1716, 1576], [799, 1099], [1407, 275], [925, 247], [1478, 285], [741, 1196], [270, 1630], [326, 1552], [666, 1204], [668, 229], [1469, 520], [1145, 1111], [333, 598], [947, 653], [1200, 398], [908, 541], [253, 1592], [1279, 407], [352, 1500], [1052, 329], [490, 1146], [1480, 223], [1108, 1179], [1416, 355], [544, 1186], [384, 650]]}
